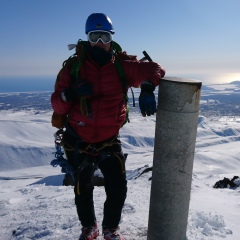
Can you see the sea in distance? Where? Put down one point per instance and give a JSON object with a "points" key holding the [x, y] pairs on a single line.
{"points": [[26, 84], [39, 83]]}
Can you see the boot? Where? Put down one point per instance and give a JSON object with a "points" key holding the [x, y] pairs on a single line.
{"points": [[89, 233], [112, 234]]}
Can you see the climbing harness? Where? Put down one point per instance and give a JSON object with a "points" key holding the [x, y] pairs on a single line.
{"points": [[93, 154]]}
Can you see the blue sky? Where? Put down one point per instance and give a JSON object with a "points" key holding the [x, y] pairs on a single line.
{"points": [[189, 38]]}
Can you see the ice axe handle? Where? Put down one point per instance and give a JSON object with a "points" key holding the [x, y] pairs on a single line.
{"points": [[146, 56]]}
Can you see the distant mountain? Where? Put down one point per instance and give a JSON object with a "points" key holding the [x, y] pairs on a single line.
{"points": [[237, 82], [207, 88]]}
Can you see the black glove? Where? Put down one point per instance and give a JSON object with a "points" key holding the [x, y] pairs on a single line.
{"points": [[147, 102], [78, 89]]}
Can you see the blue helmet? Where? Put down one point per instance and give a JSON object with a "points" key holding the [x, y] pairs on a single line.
{"points": [[99, 21]]}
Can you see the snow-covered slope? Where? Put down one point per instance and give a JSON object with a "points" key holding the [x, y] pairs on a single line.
{"points": [[35, 205]]}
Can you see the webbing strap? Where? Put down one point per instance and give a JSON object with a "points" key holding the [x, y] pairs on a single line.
{"points": [[123, 79]]}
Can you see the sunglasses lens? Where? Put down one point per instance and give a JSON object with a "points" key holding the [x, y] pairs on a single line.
{"points": [[94, 37]]}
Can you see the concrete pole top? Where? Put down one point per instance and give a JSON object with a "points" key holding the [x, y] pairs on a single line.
{"points": [[181, 80], [178, 94]]}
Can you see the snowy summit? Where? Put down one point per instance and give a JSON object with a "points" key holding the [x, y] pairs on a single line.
{"points": [[35, 205]]}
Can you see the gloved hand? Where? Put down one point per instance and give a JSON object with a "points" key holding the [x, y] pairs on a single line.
{"points": [[78, 89], [147, 102]]}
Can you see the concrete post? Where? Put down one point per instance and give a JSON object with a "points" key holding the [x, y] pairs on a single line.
{"points": [[175, 138]]}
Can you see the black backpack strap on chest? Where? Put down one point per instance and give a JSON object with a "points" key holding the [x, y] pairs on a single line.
{"points": [[124, 83], [123, 79]]}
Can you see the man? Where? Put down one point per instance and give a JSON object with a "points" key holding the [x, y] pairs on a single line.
{"points": [[92, 140]]}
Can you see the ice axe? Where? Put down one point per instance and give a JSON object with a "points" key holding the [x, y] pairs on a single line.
{"points": [[146, 57]]}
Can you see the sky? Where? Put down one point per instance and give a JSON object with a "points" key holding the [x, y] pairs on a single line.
{"points": [[190, 38]]}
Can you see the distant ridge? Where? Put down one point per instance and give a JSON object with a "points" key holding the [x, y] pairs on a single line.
{"points": [[237, 82]]}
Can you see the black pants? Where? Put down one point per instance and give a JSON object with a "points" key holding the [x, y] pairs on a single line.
{"points": [[110, 161]]}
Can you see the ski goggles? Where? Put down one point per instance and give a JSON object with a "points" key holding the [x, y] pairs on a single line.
{"points": [[96, 36]]}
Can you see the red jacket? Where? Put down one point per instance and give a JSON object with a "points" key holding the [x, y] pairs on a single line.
{"points": [[107, 101]]}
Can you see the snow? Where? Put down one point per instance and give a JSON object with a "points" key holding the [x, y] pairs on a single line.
{"points": [[35, 205]]}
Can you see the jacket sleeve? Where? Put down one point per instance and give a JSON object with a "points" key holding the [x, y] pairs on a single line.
{"points": [[137, 72], [59, 106]]}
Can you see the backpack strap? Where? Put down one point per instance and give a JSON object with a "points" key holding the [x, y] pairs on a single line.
{"points": [[121, 56], [124, 81], [123, 78], [75, 62], [85, 103]]}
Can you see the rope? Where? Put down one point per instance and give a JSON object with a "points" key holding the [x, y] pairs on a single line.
{"points": [[59, 159]]}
